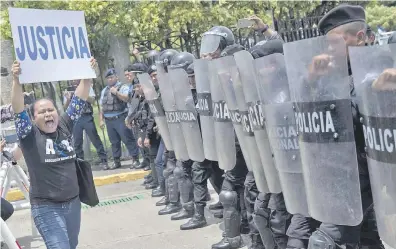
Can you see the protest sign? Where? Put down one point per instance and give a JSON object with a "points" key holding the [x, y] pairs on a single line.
{"points": [[51, 45]]}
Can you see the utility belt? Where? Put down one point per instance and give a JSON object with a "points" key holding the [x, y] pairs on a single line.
{"points": [[123, 115]]}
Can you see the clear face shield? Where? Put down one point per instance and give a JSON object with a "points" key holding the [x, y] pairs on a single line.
{"points": [[210, 46]]}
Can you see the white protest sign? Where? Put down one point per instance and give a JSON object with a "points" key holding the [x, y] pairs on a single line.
{"points": [[51, 45]]}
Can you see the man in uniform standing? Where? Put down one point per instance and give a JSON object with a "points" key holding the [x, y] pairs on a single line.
{"points": [[113, 106], [87, 123], [347, 21], [133, 104]]}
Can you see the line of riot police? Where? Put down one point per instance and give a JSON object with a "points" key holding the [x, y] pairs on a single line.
{"points": [[298, 139]]}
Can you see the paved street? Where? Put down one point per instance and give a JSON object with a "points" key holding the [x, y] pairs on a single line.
{"points": [[132, 224]]}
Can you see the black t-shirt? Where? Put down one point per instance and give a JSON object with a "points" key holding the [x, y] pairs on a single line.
{"points": [[51, 163]]}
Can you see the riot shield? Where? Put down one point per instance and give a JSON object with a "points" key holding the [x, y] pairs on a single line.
{"points": [[376, 96], [224, 130], [205, 108], [174, 125], [156, 108], [259, 144], [281, 126], [187, 113], [232, 87], [320, 87]]}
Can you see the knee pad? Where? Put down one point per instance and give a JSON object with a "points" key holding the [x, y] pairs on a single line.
{"points": [[167, 173], [178, 171], [228, 198], [320, 240]]}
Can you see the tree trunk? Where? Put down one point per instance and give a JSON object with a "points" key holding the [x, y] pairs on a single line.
{"points": [[119, 53], [7, 58]]}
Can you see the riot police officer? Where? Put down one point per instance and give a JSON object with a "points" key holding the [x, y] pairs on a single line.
{"points": [[182, 171], [151, 57], [217, 42], [171, 198], [134, 102], [344, 22], [113, 103], [148, 139]]}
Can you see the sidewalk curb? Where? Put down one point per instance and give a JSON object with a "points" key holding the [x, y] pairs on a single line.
{"points": [[16, 195]]}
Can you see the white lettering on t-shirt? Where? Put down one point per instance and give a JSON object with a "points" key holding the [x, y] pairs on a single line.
{"points": [[49, 147]]}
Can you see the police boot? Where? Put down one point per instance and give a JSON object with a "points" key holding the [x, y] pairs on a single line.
{"points": [[151, 185], [135, 163], [186, 212], [185, 187], [116, 164], [159, 191], [174, 204], [154, 183], [171, 208], [232, 221], [145, 163], [147, 181], [103, 164], [197, 221], [257, 243], [216, 206], [164, 200]]}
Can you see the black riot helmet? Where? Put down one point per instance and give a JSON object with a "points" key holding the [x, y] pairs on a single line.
{"points": [[152, 57], [182, 60], [190, 69], [166, 56], [218, 37]]}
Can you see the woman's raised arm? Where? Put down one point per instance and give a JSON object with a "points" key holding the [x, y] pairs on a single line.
{"points": [[83, 88], [17, 98]]}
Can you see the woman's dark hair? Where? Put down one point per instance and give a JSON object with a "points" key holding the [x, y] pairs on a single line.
{"points": [[32, 106]]}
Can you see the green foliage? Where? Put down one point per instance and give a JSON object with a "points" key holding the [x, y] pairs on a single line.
{"points": [[155, 20], [381, 15]]}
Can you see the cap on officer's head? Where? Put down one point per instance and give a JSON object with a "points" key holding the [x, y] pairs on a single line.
{"points": [[137, 68], [265, 48], [340, 15], [110, 72], [152, 69]]}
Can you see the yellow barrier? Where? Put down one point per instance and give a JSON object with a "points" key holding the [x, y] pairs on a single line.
{"points": [[16, 195]]}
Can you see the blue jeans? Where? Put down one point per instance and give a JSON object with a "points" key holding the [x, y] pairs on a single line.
{"points": [[159, 162], [58, 223]]}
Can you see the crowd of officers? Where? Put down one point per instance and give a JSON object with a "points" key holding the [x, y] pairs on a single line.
{"points": [[183, 184]]}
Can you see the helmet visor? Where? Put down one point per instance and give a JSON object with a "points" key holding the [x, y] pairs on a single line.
{"points": [[210, 43]]}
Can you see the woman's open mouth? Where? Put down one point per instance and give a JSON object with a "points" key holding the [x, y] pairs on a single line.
{"points": [[50, 124]]}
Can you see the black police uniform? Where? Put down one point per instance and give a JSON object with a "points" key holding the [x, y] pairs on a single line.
{"points": [[140, 118], [86, 122], [134, 106], [172, 195], [259, 233], [270, 214], [337, 236], [200, 173]]}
